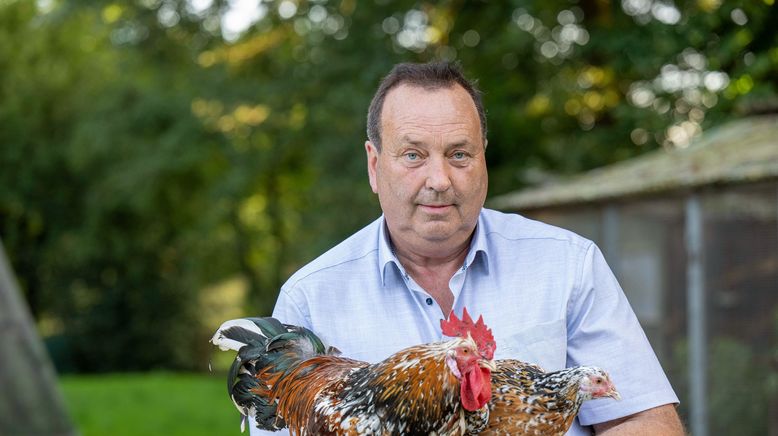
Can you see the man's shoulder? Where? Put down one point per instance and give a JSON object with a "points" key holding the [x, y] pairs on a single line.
{"points": [[515, 227], [361, 246]]}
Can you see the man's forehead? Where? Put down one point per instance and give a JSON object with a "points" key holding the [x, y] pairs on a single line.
{"points": [[408, 88], [411, 113], [428, 106]]}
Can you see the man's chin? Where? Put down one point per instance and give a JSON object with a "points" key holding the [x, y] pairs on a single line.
{"points": [[438, 231]]}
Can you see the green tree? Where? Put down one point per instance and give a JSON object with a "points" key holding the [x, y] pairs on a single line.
{"points": [[152, 148]]}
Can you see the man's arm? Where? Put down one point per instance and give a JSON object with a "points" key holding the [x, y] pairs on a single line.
{"points": [[662, 420]]}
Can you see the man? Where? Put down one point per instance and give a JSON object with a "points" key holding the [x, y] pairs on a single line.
{"points": [[547, 294]]}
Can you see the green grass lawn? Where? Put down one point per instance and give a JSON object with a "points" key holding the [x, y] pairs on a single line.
{"points": [[150, 404]]}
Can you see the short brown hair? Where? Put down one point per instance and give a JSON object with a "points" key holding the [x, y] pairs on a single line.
{"points": [[430, 76]]}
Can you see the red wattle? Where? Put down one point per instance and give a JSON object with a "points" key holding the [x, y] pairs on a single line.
{"points": [[476, 388]]}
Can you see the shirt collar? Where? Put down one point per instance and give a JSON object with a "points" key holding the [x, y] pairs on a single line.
{"points": [[479, 244], [386, 252]]}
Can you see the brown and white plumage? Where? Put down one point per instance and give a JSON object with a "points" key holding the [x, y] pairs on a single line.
{"points": [[285, 377], [411, 392], [526, 401]]}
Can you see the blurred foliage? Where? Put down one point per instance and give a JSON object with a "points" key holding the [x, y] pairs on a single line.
{"points": [[153, 148]]}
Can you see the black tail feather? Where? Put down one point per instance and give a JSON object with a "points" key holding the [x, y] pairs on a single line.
{"points": [[265, 344]]}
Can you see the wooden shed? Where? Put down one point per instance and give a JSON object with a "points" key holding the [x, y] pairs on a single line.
{"points": [[692, 235]]}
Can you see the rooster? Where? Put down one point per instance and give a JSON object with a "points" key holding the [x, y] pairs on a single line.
{"points": [[527, 401], [284, 376]]}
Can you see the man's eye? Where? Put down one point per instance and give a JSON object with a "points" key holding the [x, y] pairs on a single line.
{"points": [[459, 155], [412, 156]]}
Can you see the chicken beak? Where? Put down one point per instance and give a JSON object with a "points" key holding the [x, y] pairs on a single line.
{"points": [[484, 363], [613, 393]]}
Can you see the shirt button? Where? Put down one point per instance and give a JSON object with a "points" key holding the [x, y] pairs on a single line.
{"points": [[429, 301]]}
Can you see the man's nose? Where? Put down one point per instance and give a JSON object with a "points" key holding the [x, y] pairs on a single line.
{"points": [[438, 175]]}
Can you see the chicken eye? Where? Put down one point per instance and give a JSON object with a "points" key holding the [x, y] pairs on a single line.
{"points": [[598, 381]]}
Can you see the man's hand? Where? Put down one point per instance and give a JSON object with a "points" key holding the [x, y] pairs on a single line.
{"points": [[662, 420]]}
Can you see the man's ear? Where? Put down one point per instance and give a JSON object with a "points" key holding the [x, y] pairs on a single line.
{"points": [[372, 163]]}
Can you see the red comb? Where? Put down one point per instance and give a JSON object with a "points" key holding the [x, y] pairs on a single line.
{"points": [[482, 335]]}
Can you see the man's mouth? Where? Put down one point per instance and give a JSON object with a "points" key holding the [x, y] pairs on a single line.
{"points": [[435, 207]]}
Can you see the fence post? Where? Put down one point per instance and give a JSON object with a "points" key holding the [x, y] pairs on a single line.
{"points": [[695, 295]]}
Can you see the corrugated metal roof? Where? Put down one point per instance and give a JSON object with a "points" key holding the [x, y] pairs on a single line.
{"points": [[745, 150]]}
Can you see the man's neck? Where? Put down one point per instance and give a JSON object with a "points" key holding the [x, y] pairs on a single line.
{"points": [[411, 258], [433, 272]]}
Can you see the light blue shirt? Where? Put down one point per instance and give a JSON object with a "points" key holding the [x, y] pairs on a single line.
{"points": [[546, 293]]}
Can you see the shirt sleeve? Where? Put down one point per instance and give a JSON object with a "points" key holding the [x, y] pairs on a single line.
{"points": [[254, 431], [604, 331], [289, 311]]}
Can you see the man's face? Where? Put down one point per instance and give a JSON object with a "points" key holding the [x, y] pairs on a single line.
{"points": [[430, 175]]}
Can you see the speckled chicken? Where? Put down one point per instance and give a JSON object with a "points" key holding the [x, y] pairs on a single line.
{"points": [[527, 401], [286, 377]]}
